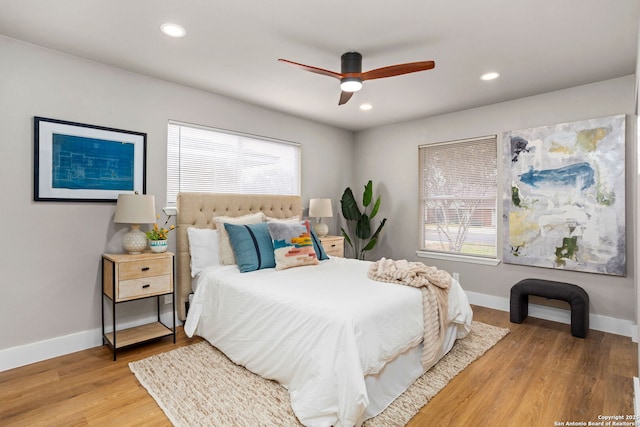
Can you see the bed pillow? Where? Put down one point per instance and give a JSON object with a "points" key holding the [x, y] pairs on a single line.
{"points": [[317, 246], [203, 248], [225, 253], [252, 246], [292, 244], [295, 218]]}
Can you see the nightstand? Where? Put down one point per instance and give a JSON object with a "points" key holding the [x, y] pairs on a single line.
{"points": [[127, 278], [333, 245]]}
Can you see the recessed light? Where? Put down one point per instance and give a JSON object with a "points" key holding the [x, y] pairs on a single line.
{"points": [[490, 76], [366, 107], [173, 30]]}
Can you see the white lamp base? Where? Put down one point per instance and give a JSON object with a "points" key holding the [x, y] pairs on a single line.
{"points": [[321, 229], [135, 241]]}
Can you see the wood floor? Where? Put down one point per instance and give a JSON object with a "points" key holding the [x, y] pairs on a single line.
{"points": [[538, 375]]}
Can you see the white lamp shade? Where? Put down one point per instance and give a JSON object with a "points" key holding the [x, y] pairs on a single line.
{"points": [[135, 209], [320, 208]]}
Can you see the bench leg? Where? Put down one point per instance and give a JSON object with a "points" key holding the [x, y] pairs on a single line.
{"points": [[519, 309], [579, 320]]}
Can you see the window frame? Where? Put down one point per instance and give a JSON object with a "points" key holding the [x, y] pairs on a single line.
{"points": [[422, 197]]}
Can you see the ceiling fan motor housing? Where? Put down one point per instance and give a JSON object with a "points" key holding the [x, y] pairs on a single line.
{"points": [[351, 63]]}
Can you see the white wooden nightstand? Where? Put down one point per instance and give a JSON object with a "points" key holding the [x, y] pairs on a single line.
{"points": [[128, 277], [333, 245]]}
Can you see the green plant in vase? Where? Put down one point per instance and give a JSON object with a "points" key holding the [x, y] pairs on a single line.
{"points": [[158, 236], [159, 233], [359, 235]]}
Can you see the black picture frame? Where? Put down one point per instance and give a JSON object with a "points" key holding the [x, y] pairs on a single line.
{"points": [[77, 162]]}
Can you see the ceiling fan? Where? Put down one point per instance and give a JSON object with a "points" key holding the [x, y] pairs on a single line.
{"points": [[351, 75]]}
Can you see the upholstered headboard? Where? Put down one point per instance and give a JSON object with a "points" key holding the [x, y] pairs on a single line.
{"points": [[199, 209]]}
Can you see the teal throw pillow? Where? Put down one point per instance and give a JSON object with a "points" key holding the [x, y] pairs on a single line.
{"points": [[317, 246], [252, 246]]}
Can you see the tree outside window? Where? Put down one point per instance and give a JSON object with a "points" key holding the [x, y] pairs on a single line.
{"points": [[459, 197]]}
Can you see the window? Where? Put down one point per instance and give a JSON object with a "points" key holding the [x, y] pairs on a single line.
{"points": [[458, 183], [213, 160]]}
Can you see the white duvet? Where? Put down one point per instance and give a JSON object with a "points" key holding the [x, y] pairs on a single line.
{"points": [[317, 330]]}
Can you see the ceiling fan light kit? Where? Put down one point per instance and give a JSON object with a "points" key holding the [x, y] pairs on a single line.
{"points": [[350, 84], [351, 75]]}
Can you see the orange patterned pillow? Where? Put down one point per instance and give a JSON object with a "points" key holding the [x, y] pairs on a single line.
{"points": [[292, 244]]}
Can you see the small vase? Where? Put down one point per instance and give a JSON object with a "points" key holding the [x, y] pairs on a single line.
{"points": [[158, 246]]}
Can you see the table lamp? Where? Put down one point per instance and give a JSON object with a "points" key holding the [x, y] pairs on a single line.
{"points": [[320, 208], [135, 209]]}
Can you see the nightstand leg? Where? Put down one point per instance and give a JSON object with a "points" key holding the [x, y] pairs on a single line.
{"points": [[102, 309], [104, 341], [173, 304], [173, 314], [114, 327]]}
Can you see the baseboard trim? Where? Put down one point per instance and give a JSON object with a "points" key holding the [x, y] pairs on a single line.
{"points": [[27, 354], [597, 322], [15, 357]]}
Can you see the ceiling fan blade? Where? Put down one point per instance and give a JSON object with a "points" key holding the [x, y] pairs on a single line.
{"points": [[313, 69], [397, 70], [344, 97]]}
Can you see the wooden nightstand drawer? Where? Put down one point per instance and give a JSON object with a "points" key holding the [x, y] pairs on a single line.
{"points": [[333, 245], [144, 268], [143, 287]]}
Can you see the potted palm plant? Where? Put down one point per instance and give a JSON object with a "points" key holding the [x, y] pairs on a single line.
{"points": [[359, 235]]}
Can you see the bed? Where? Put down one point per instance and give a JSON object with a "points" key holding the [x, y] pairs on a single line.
{"points": [[343, 345]]}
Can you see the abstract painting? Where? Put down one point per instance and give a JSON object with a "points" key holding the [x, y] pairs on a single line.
{"points": [[564, 196]]}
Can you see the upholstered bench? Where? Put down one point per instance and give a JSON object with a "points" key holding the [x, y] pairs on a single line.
{"points": [[577, 298]]}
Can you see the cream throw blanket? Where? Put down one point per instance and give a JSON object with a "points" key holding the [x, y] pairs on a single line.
{"points": [[434, 285]]}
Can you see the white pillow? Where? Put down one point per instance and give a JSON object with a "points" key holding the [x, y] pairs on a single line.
{"points": [[225, 252], [203, 247], [295, 218]]}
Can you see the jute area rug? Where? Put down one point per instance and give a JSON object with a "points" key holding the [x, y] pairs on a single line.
{"points": [[197, 385]]}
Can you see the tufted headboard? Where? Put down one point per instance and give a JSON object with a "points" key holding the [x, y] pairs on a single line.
{"points": [[198, 210]]}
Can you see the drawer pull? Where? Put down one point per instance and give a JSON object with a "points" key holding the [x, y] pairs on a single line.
{"points": [[145, 268], [333, 246], [145, 286]]}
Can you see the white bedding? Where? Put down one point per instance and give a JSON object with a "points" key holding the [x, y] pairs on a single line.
{"points": [[317, 330]]}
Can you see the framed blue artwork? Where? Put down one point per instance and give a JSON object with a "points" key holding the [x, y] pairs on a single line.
{"points": [[86, 163]]}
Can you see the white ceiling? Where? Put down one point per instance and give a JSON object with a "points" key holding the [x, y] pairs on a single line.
{"points": [[231, 48]]}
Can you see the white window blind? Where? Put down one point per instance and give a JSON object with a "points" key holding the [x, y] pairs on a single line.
{"points": [[213, 160], [458, 185]]}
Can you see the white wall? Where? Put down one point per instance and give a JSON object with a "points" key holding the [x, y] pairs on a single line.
{"points": [[50, 251], [50, 256], [389, 156]]}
